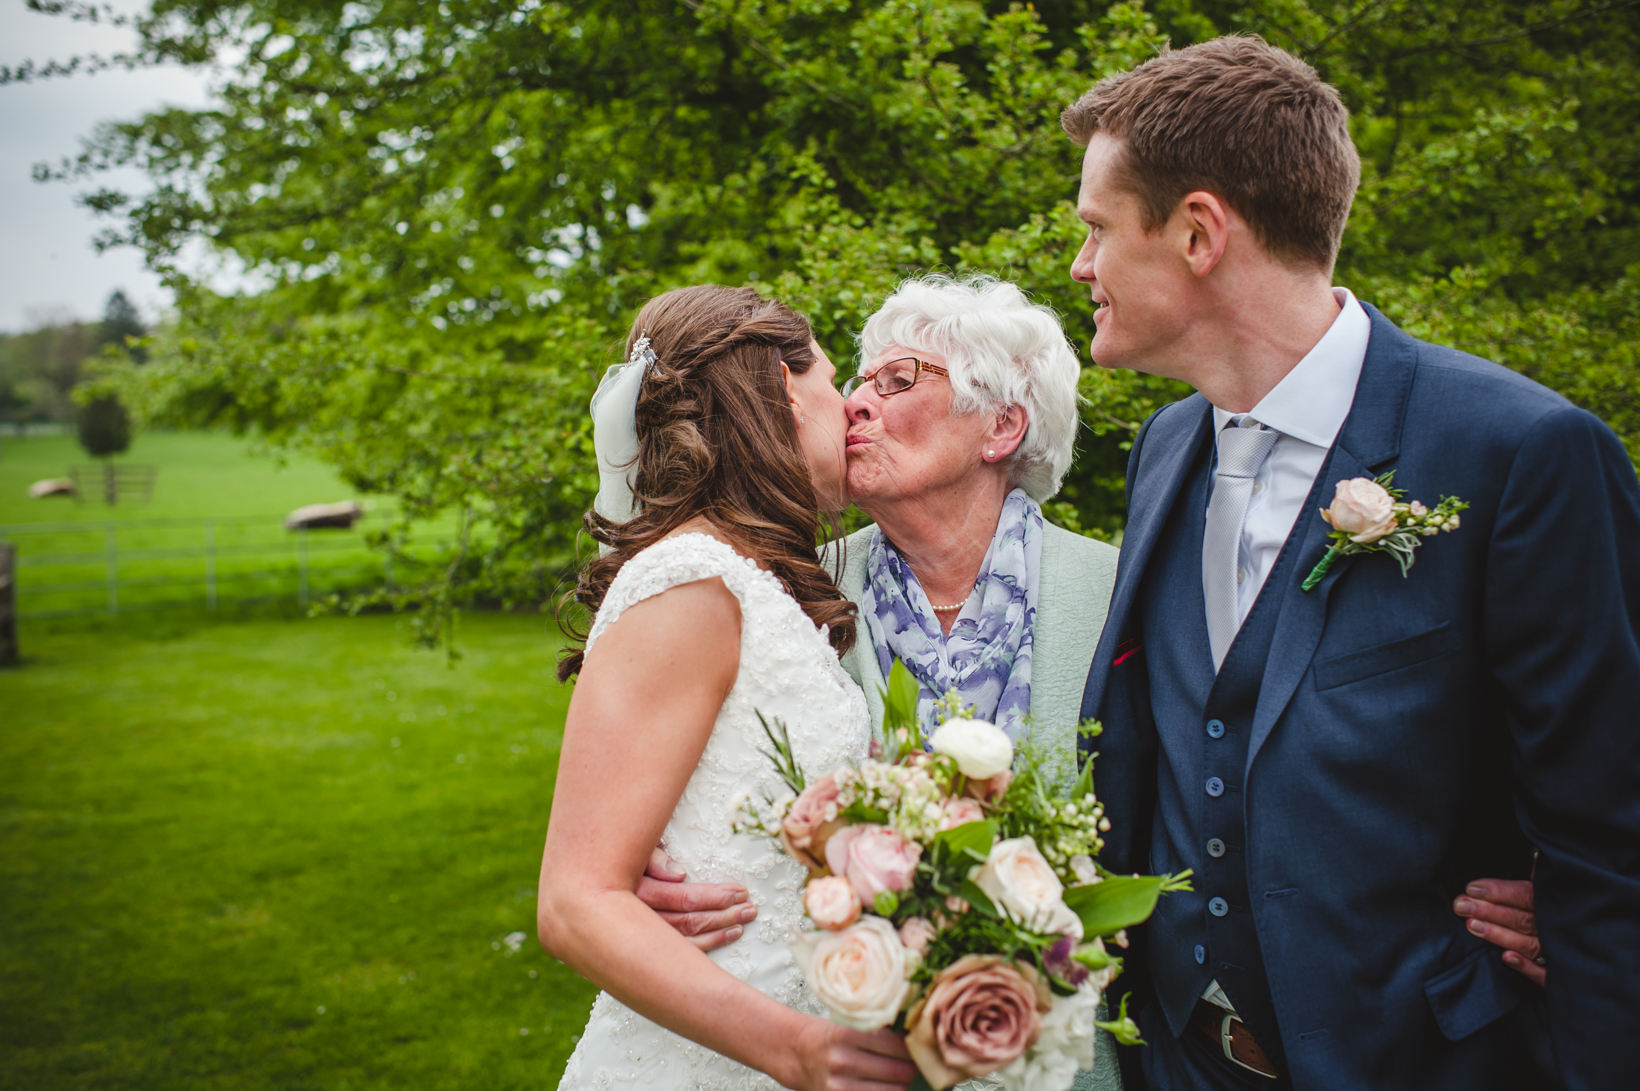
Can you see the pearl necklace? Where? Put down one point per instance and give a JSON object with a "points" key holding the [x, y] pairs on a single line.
{"points": [[958, 606]]}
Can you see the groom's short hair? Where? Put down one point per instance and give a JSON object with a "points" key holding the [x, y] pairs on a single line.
{"points": [[1241, 119]]}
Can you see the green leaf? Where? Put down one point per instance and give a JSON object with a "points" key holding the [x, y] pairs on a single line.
{"points": [[900, 698], [974, 896], [973, 839], [1120, 902], [885, 903]]}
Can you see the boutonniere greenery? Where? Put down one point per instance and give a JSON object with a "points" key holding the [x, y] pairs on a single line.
{"points": [[1369, 516]]}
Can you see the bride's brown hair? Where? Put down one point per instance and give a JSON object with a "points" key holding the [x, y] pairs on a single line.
{"points": [[716, 440]]}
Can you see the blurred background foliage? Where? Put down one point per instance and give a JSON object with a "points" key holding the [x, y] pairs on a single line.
{"points": [[452, 210]]}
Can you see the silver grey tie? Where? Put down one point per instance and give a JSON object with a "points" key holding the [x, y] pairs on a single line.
{"points": [[1242, 450]]}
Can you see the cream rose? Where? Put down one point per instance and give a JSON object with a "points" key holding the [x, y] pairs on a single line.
{"points": [[980, 1014], [858, 973], [873, 859], [814, 807], [960, 812], [831, 903], [1361, 508], [981, 750], [1021, 882]]}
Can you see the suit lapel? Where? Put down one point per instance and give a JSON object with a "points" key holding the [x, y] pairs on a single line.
{"points": [[1371, 437], [1156, 487]]}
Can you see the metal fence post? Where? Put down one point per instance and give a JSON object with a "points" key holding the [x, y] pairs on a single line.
{"points": [[302, 567], [113, 563], [8, 604], [210, 564]]}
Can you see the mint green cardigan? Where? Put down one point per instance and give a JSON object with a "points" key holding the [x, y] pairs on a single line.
{"points": [[1077, 576]]}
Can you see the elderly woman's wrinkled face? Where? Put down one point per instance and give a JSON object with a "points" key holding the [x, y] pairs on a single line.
{"points": [[909, 444]]}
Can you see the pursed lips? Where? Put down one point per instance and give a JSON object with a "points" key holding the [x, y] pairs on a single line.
{"points": [[855, 439]]}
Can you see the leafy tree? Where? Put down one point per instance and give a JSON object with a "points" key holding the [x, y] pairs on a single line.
{"points": [[104, 427], [122, 326], [454, 209]]}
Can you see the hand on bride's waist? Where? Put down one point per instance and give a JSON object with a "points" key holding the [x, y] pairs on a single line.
{"points": [[708, 915]]}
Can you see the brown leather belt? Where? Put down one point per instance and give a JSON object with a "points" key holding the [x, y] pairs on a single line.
{"points": [[1231, 1035]]}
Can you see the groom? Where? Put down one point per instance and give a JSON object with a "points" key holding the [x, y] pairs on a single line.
{"points": [[1334, 764]]}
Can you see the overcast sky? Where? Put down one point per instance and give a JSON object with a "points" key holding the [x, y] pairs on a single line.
{"points": [[48, 267]]}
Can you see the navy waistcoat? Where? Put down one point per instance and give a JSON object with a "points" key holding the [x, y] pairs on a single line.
{"points": [[1203, 724]]}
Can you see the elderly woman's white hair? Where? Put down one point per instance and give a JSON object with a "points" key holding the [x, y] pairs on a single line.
{"points": [[1001, 350]]}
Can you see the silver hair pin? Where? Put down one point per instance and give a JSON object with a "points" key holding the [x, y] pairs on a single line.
{"points": [[642, 353]]}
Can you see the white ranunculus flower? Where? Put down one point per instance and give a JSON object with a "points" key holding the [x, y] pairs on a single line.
{"points": [[1017, 878], [981, 750], [858, 973]]}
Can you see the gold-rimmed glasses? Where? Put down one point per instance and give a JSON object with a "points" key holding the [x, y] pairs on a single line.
{"points": [[895, 377]]}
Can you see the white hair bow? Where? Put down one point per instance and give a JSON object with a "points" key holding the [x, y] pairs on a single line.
{"points": [[615, 431]]}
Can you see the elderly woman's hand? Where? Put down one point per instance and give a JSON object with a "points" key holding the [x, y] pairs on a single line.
{"points": [[1500, 912]]}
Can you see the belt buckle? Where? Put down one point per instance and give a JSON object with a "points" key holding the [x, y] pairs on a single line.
{"points": [[1229, 1055]]}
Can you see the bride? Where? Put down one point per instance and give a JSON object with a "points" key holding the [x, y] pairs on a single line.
{"points": [[718, 442]]}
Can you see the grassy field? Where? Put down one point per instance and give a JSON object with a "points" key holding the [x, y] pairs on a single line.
{"points": [[244, 493], [200, 474], [278, 854]]}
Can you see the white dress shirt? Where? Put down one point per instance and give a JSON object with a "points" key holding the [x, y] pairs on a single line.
{"points": [[1307, 408]]}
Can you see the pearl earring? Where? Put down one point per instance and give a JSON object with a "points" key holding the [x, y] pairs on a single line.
{"points": [[990, 454], [801, 419]]}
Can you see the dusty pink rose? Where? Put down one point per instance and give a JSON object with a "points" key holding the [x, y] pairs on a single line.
{"points": [[991, 788], [981, 1013], [960, 812], [815, 806], [1361, 508], [832, 903], [873, 859], [916, 933]]}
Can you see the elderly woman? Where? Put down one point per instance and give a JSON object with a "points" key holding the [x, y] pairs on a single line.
{"points": [[962, 422]]}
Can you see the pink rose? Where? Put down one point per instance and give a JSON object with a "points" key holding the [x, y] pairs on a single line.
{"points": [[815, 806], [873, 859], [960, 812], [980, 1013], [1363, 509], [916, 933], [832, 903]]}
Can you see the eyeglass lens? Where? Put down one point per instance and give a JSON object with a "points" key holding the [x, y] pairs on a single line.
{"points": [[894, 377]]}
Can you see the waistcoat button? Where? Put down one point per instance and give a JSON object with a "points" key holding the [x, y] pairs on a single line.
{"points": [[1201, 954], [1215, 847], [1218, 907], [1215, 787], [1215, 729]]}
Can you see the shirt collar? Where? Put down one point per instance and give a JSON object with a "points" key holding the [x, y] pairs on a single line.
{"points": [[1311, 402]]}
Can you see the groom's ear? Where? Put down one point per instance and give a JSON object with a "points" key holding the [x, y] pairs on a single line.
{"points": [[1202, 228]]}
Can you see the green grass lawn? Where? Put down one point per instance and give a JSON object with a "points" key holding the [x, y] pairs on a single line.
{"points": [[278, 854], [243, 490], [200, 474]]}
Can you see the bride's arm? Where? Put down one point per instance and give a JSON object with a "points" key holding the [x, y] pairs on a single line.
{"points": [[638, 723]]}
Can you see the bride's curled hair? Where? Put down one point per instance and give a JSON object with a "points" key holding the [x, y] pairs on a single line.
{"points": [[717, 440]]}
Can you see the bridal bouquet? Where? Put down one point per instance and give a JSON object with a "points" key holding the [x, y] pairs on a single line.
{"points": [[955, 900]]}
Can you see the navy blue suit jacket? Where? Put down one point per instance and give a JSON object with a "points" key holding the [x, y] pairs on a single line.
{"points": [[1413, 734]]}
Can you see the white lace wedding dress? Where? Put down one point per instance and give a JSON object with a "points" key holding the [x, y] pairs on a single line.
{"points": [[787, 669]]}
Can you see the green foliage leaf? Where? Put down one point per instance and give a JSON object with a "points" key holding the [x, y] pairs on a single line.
{"points": [[1119, 902], [971, 840], [969, 892], [900, 698]]}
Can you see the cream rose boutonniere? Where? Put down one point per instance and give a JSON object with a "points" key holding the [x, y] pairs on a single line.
{"points": [[1370, 516]]}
